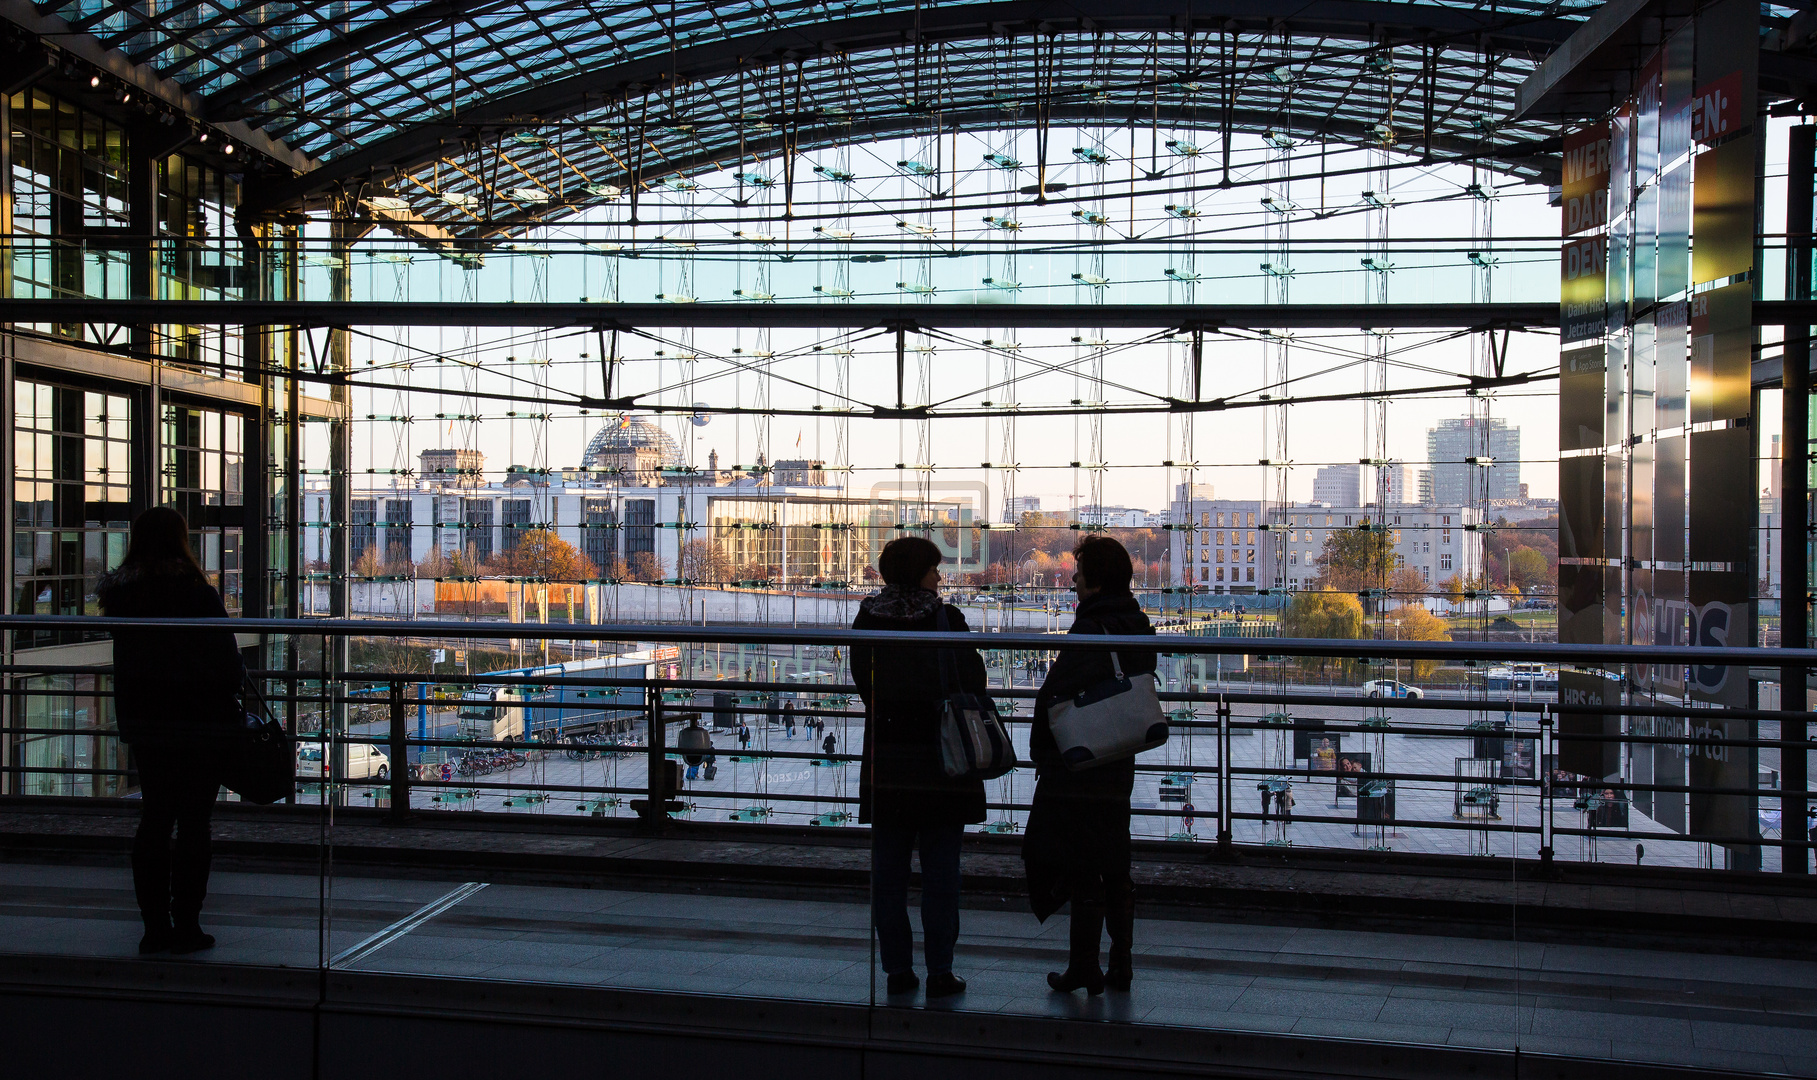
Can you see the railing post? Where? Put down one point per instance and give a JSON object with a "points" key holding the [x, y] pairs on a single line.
{"points": [[400, 754], [657, 785], [1224, 822], [1548, 749]]}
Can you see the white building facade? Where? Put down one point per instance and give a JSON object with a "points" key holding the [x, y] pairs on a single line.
{"points": [[1220, 544], [1437, 542]]}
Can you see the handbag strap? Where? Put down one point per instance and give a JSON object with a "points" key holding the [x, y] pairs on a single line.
{"points": [[1116, 664], [949, 668], [258, 695]]}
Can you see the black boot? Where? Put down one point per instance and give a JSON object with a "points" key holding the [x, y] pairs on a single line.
{"points": [[1082, 961], [1120, 920], [189, 865], [151, 885]]}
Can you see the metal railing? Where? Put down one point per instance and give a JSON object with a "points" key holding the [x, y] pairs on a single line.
{"points": [[1457, 771]]}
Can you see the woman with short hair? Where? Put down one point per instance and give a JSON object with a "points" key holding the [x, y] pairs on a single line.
{"points": [[1076, 847], [903, 792]]}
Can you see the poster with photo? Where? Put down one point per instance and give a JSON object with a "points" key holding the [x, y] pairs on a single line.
{"points": [[1517, 759], [1352, 768], [1324, 757]]}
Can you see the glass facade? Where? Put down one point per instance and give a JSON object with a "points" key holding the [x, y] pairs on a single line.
{"points": [[197, 258], [72, 494], [204, 479], [70, 205]]}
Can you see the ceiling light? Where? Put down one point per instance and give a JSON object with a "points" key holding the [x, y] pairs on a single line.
{"points": [[94, 81], [205, 136], [228, 149]]}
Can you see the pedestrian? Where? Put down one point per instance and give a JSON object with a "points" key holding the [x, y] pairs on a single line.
{"points": [[829, 746], [176, 699], [903, 792], [1267, 799], [1186, 813], [1285, 801], [788, 719], [744, 736], [1076, 846]]}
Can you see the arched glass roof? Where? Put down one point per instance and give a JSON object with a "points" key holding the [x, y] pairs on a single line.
{"points": [[560, 96]]}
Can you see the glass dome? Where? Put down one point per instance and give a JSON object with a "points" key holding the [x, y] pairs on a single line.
{"points": [[631, 433]]}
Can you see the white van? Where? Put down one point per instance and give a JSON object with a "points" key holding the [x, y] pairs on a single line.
{"points": [[364, 762]]}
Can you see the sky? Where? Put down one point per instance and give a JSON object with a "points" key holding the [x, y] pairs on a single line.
{"points": [[699, 244]]}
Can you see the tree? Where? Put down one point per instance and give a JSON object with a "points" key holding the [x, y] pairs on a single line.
{"points": [[368, 564], [705, 562], [1322, 615], [1356, 560], [1527, 569], [542, 554], [1412, 622], [644, 566]]}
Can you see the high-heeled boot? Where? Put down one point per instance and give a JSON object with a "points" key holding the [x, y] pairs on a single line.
{"points": [[1120, 920], [1082, 959]]}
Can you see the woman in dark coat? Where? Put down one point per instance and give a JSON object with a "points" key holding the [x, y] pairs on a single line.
{"points": [[176, 699], [903, 793], [1076, 846]]}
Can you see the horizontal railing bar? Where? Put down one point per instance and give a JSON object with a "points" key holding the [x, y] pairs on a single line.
{"points": [[1176, 644]]}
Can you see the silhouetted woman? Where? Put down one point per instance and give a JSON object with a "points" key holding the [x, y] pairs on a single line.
{"points": [[176, 700], [903, 793], [1077, 844]]}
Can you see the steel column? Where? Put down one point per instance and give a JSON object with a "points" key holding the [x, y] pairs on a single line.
{"points": [[1794, 503]]}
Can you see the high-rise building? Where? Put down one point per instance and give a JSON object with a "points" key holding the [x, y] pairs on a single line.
{"points": [[1396, 484], [1493, 445], [1339, 485], [1015, 506]]}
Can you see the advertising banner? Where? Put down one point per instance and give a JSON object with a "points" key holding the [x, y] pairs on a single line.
{"points": [[1711, 765], [1722, 212], [1585, 188], [1591, 690], [1582, 277], [1722, 343], [1580, 386]]}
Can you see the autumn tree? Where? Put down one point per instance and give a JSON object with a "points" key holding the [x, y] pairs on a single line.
{"points": [[705, 562], [1356, 561], [644, 566], [1527, 569], [540, 553], [368, 564], [1322, 615], [1412, 622]]}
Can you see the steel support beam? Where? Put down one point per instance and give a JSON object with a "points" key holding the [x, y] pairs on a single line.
{"points": [[331, 313], [1355, 20], [1794, 511]]}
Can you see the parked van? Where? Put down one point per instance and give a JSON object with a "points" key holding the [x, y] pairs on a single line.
{"points": [[364, 762]]}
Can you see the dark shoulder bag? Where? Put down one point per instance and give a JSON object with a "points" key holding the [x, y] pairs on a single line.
{"points": [[261, 765], [974, 745]]}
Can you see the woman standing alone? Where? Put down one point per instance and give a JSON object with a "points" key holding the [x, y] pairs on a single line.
{"points": [[176, 699], [1077, 844]]}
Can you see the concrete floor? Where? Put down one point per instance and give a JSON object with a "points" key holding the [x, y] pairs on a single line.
{"points": [[1631, 1004]]}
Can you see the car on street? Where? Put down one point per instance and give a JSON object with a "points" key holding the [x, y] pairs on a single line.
{"points": [[1390, 688]]}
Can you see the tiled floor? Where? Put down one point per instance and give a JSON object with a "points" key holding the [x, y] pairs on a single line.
{"points": [[1703, 1010]]}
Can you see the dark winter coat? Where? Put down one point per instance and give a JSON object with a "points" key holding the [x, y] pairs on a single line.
{"points": [[1078, 825], [901, 782], [171, 688]]}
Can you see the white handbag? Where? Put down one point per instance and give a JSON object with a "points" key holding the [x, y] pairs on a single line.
{"points": [[1109, 721]]}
